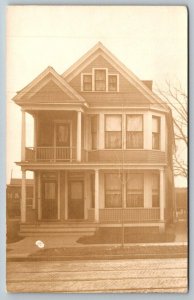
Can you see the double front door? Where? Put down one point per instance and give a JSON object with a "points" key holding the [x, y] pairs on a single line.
{"points": [[75, 200]]}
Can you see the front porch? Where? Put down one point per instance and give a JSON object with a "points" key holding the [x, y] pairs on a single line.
{"points": [[87, 198]]}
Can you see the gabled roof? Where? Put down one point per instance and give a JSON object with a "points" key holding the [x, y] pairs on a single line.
{"points": [[100, 49], [48, 74]]}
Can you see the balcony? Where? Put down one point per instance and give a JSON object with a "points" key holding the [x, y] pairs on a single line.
{"points": [[50, 154]]}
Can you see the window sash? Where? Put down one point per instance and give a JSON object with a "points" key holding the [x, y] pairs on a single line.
{"points": [[135, 199], [113, 191], [134, 140], [155, 141], [113, 140], [134, 123], [87, 82], [100, 80], [112, 82]]}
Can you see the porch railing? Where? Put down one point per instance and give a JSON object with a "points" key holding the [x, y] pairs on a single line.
{"points": [[50, 154], [117, 215]]}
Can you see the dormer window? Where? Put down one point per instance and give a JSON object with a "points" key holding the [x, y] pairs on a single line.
{"points": [[99, 80]]}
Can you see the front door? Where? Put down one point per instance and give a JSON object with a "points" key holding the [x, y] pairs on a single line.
{"points": [[62, 141], [49, 200], [76, 200]]}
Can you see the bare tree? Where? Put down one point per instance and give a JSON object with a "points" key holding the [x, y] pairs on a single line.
{"points": [[177, 99]]}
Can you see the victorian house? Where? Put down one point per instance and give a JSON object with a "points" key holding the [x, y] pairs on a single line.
{"points": [[102, 152]]}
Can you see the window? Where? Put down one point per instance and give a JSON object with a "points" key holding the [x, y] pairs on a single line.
{"points": [[112, 83], [100, 80], [94, 122], [156, 133], [113, 191], [87, 82], [135, 190], [155, 190], [134, 132], [113, 132]]}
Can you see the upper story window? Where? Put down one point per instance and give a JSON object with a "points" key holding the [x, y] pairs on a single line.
{"points": [[94, 125], [113, 131], [87, 82], [156, 133], [100, 81], [134, 132], [112, 83]]}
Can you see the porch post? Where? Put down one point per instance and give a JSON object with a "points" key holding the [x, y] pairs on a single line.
{"points": [[23, 197], [35, 135], [23, 135], [162, 195], [66, 195], [58, 194], [34, 191], [39, 197], [96, 213], [79, 131]]}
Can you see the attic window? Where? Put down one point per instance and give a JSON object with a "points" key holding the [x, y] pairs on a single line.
{"points": [[112, 83], [87, 82], [99, 81]]}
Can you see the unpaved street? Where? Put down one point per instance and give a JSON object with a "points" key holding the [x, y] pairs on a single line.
{"points": [[137, 275]]}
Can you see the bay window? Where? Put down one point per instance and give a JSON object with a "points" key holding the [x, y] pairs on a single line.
{"points": [[155, 133], [135, 190], [134, 132], [155, 190], [113, 193], [113, 131]]}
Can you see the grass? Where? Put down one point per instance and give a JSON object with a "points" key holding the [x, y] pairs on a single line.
{"points": [[131, 235]]}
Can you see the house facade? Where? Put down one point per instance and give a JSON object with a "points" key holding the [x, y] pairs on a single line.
{"points": [[102, 153]]}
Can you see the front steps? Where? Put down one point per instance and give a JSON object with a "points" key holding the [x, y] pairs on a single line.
{"points": [[58, 228]]}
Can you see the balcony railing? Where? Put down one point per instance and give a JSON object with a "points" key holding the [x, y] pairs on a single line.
{"points": [[126, 215], [51, 154]]}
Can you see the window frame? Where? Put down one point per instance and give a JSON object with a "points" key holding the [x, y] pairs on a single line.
{"points": [[93, 88], [112, 191], [135, 191], [106, 131], [142, 132], [156, 192], [158, 134]]}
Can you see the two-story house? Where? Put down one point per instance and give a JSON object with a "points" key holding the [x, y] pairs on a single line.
{"points": [[102, 153]]}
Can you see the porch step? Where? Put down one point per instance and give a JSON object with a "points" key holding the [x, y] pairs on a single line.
{"points": [[57, 228]]}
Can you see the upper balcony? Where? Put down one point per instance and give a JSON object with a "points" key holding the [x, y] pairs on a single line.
{"points": [[71, 136]]}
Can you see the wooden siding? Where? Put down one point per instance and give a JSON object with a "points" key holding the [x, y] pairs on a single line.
{"points": [[127, 94], [136, 156]]}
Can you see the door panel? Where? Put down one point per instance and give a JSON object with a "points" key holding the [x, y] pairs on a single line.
{"points": [[49, 200], [76, 200]]}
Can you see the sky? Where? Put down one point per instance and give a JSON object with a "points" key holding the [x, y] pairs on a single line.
{"points": [[150, 40]]}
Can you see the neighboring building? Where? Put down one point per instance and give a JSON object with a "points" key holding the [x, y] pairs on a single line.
{"points": [[102, 152], [181, 204], [13, 198]]}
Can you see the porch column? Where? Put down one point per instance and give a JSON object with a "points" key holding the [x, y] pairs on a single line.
{"points": [[35, 134], [39, 197], [96, 212], [79, 131], [34, 191], [23, 198], [23, 135], [58, 195], [162, 195]]}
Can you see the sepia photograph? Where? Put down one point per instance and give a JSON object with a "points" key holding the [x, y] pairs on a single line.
{"points": [[96, 173]]}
